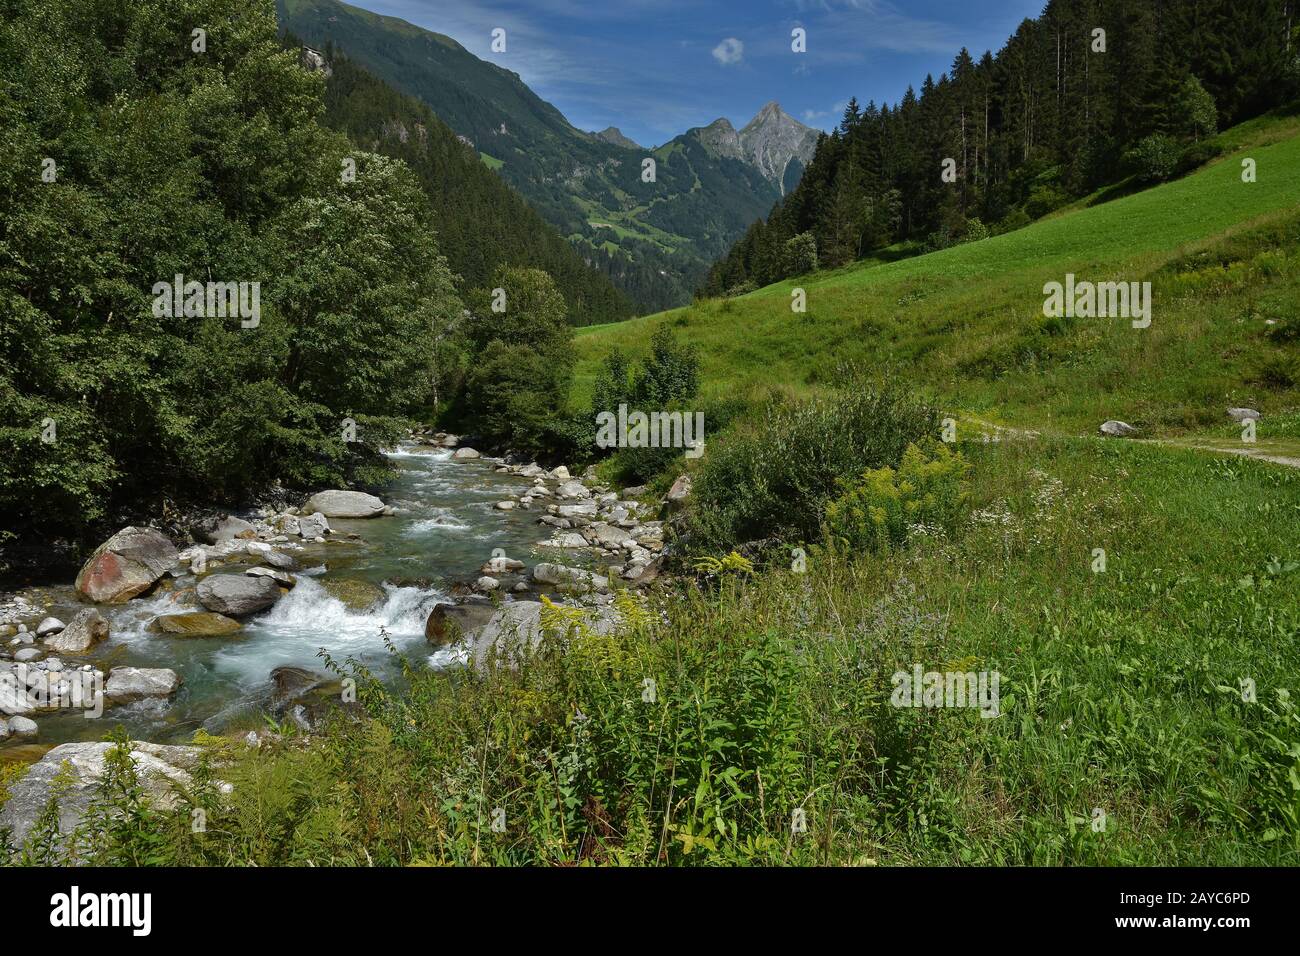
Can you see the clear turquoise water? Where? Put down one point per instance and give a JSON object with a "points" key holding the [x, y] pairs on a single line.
{"points": [[446, 528]]}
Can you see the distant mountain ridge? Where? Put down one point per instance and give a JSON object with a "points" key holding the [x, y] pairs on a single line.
{"points": [[655, 240]]}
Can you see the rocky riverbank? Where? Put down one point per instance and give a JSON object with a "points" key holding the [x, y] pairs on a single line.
{"points": [[229, 571]]}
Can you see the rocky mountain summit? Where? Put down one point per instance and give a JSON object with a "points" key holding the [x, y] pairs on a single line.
{"points": [[770, 142]]}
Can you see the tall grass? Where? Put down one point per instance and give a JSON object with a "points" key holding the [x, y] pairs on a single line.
{"points": [[1120, 692]]}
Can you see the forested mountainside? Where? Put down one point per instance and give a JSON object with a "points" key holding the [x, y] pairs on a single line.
{"points": [[1090, 93], [480, 221], [654, 239]]}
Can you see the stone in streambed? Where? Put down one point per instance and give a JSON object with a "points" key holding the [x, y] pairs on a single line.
{"points": [[125, 565], [237, 595], [23, 727], [126, 684], [356, 594], [344, 504], [223, 528], [195, 624], [51, 625], [85, 630], [313, 526], [282, 578], [447, 622]]}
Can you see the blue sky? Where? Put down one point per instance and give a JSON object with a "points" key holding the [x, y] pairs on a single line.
{"points": [[655, 68]]}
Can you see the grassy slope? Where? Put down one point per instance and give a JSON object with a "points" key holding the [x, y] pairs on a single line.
{"points": [[966, 323], [1120, 689]]}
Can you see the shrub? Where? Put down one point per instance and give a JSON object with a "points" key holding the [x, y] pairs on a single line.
{"points": [[878, 511], [1154, 158], [666, 380], [801, 254], [1197, 155], [773, 479], [975, 231]]}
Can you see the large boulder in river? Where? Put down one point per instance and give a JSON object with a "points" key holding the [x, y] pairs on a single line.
{"points": [[126, 564], [356, 594], [344, 504], [448, 622], [81, 766], [237, 595], [126, 684], [85, 630], [195, 624], [464, 454]]}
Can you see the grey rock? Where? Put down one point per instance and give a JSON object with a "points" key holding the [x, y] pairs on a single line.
{"points": [[572, 489], [82, 765], [225, 528], [237, 595], [464, 454], [344, 504], [1117, 429], [1241, 414], [83, 632], [680, 491], [516, 629], [608, 536], [282, 578], [567, 578], [51, 625], [313, 526], [448, 622], [23, 727], [501, 565], [135, 683]]}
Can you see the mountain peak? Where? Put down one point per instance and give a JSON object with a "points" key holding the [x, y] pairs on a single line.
{"points": [[614, 135], [770, 114], [774, 139]]}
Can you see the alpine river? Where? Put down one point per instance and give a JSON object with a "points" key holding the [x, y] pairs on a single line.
{"points": [[444, 529]]}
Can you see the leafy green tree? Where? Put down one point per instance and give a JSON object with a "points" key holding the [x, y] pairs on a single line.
{"points": [[1199, 116], [130, 154], [522, 360]]}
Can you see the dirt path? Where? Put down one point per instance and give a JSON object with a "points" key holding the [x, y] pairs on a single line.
{"points": [[992, 432]]}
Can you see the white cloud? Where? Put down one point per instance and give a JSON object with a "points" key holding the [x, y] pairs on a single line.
{"points": [[730, 51]]}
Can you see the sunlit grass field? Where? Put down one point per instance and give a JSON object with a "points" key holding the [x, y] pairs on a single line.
{"points": [[966, 323]]}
